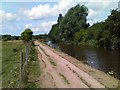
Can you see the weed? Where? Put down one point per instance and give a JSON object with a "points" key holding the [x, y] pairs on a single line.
{"points": [[64, 78], [53, 63], [85, 82]]}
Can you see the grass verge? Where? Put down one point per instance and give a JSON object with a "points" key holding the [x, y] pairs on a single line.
{"points": [[11, 63], [33, 69]]}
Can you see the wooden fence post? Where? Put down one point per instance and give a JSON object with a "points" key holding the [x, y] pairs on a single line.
{"points": [[26, 53]]}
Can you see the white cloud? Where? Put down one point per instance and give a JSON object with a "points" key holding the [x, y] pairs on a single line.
{"points": [[45, 11], [99, 10], [91, 22], [96, 9], [28, 26], [42, 28], [7, 16], [93, 13]]}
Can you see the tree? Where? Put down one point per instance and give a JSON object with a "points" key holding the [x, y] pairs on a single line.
{"points": [[67, 26], [112, 23], [72, 28], [26, 35], [6, 37], [59, 18], [73, 21], [53, 34], [78, 36]]}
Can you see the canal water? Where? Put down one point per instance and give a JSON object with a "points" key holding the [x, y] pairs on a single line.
{"points": [[99, 58]]}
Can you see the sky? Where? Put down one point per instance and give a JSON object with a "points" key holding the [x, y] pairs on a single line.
{"points": [[39, 15]]}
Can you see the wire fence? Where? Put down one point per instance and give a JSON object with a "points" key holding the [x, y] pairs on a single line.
{"points": [[16, 76]]}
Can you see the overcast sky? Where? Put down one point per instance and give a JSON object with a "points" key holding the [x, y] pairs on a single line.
{"points": [[40, 16]]}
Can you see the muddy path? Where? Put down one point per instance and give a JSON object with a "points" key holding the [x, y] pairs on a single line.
{"points": [[57, 72]]}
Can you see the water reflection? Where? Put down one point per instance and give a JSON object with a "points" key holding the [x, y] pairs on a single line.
{"points": [[92, 59]]}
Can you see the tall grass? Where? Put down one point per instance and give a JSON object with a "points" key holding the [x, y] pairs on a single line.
{"points": [[11, 62], [33, 69], [11, 65]]}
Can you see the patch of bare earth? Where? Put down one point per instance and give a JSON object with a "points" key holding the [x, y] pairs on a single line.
{"points": [[60, 70]]}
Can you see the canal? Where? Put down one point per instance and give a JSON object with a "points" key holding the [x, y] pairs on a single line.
{"points": [[99, 58]]}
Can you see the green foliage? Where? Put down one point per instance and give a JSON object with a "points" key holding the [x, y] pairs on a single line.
{"points": [[26, 35], [78, 36], [53, 63], [40, 36], [64, 78], [10, 60], [6, 37], [72, 28], [115, 42], [103, 34], [54, 33], [9, 37], [33, 69], [14, 50], [112, 23], [72, 22], [59, 18]]}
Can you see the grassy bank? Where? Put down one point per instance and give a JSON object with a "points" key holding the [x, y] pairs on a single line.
{"points": [[33, 69], [10, 63]]}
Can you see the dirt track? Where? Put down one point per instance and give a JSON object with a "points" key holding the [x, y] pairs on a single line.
{"points": [[57, 72]]}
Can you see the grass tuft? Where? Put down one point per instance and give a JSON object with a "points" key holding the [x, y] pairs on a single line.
{"points": [[64, 78], [53, 63]]}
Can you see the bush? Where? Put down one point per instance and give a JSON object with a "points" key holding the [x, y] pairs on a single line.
{"points": [[5, 39], [33, 44], [14, 50]]}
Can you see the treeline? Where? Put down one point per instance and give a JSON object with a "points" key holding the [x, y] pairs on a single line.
{"points": [[73, 29], [40, 36], [10, 37]]}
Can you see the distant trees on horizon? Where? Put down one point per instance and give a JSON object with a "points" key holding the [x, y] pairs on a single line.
{"points": [[7, 37]]}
